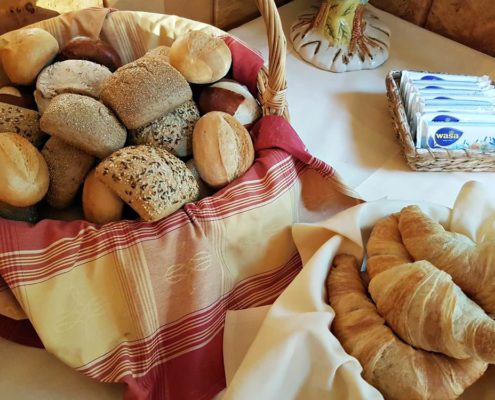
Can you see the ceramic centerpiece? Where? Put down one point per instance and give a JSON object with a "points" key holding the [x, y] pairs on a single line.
{"points": [[340, 36]]}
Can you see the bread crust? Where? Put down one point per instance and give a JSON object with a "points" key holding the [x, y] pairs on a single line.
{"points": [[144, 90]]}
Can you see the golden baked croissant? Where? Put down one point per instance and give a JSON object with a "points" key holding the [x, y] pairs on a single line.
{"points": [[421, 303], [398, 370], [385, 249], [471, 265]]}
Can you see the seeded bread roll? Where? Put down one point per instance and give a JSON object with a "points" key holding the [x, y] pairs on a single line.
{"points": [[72, 76], [68, 166], [23, 172], [173, 131], [144, 90], [85, 123], [22, 121], [100, 204], [26, 53], [150, 179], [204, 189], [200, 57]]}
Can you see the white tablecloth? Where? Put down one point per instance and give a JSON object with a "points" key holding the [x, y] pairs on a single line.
{"points": [[343, 119]]}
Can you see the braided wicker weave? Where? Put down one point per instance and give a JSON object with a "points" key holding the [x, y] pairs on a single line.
{"points": [[431, 159]]}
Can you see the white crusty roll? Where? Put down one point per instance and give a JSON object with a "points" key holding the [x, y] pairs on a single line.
{"points": [[68, 167], [173, 131], [222, 148], [150, 179], [200, 57], [100, 204], [231, 97], [144, 90], [85, 123], [26, 53], [24, 175]]}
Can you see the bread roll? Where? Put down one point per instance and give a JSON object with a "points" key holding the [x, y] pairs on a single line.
{"points": [[231, 97], [144, 90], [72, 76], [68, 167], [22, 121], [85, 123], [222, 148], [100, 204], [200, 57], [26, 53], [173, 131], [95, 50], [150, 179], [24, 173]]}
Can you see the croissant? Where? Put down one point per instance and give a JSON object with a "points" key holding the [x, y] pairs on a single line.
{"points": [[398, 370], [421, 303], [471, 265], [385, 249]]}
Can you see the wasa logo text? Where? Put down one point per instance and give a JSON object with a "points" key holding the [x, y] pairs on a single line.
{"points": [[447, 136]]}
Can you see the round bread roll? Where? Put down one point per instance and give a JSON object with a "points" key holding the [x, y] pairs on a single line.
{"points": [[222, 148], [26, 53], [150, 179], [24, 173], [144, 90], [22, 121], [72, 76], [85, 123], [173, 131], [231, 97], [200, 57], [100, 204], [95, 50], [68, 166]]}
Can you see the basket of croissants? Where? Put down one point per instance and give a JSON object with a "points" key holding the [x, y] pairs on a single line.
{"points": [[419, 320], [149, 179]]}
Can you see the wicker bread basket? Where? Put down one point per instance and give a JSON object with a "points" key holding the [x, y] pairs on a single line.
{"points": [[431, 159]]}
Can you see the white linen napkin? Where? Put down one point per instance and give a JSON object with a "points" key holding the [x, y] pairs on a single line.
{"points": [[287, 351]]}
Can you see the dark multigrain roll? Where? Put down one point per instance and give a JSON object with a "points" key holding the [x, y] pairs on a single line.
{"points": [[67, 166], [173, 131], [85, 123], [150, 179], [144, 90]]}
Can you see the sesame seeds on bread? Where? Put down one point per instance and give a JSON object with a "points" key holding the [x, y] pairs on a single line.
{"points": [[144, 90]]}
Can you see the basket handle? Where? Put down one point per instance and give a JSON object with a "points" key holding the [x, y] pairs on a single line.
{"points": [[272, 85]]}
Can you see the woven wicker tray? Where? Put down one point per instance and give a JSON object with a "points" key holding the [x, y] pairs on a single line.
{"points": [[431, 159]]}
